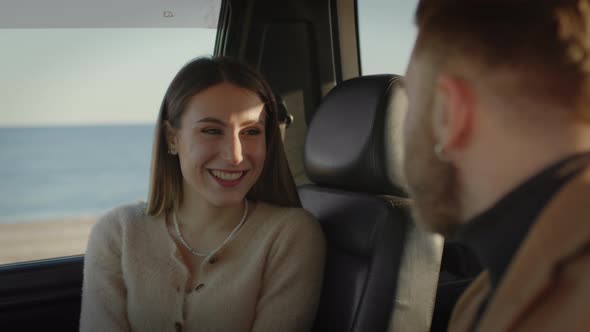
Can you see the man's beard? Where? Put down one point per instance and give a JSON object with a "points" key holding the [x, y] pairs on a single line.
{"points": [[433, 184]]}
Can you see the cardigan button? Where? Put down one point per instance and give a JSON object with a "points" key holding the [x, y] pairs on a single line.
{"points": [[199, 286], [177, 327]]}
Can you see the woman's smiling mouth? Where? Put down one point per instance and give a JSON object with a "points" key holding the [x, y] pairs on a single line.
{"points": [[227, 178]]}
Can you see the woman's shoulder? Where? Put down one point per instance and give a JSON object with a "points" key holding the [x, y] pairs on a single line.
{"points": [[294, 231], [289, 219], [277, 212], [119, 218]]}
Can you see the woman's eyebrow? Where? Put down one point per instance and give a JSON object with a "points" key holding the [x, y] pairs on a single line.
{"points": [[221, 123], [212, 120], [252, 122]]}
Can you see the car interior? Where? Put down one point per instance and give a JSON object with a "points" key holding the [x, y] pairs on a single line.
{"points": [[383, 273], [364, 212]]}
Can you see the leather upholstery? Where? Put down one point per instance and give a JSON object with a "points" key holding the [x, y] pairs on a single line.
{"points": [[354, 140], [365, 236], [347, 156]]}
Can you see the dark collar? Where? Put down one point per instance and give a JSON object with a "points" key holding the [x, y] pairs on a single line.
{"points": [[496, 234]]}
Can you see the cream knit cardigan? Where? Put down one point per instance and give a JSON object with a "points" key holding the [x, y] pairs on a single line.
{"points": [[268, 278]]}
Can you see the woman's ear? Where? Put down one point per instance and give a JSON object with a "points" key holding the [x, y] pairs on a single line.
{"points": [[171, 139]]}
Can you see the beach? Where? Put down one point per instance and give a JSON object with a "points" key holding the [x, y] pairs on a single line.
{"points": [[34, 240]]}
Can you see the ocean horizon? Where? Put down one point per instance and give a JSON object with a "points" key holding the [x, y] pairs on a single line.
{"points": [[59, 172]]}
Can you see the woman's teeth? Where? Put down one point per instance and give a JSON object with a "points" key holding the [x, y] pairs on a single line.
{"points": [[227, 176]]}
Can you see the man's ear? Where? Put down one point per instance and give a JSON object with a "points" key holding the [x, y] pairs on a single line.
{"points": [[454, 112]]}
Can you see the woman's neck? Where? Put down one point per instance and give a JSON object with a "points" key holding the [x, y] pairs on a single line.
{"points": [[197, 215]]}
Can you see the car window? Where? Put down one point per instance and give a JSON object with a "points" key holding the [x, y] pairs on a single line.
{"points": [[81, 85], [386, 33]]}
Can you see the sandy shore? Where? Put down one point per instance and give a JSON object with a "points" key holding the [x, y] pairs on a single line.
{"points": [[26, 241]]}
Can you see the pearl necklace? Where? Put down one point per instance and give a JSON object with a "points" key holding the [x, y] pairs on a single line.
{"points": [[231, 235]]}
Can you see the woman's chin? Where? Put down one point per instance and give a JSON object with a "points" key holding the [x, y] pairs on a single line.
{"points": [[225, 201]]}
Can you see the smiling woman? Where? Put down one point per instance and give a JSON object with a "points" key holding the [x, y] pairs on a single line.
{"points": [[225, 121], [221, 190]]}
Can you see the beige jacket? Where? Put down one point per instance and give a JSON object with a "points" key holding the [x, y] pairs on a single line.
{"points": [[547, 285], [268, 278]]}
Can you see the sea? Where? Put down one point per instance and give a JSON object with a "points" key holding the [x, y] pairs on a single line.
{"points": [[49, 173]]}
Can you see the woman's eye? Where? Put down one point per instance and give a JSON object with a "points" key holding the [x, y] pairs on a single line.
{"points": [[211, 131], [253, 132]]}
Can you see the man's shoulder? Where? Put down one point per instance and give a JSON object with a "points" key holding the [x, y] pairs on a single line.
{"points": [[574, 194], [573, 274], [563, 227], [565, 305], [469, 302], [548, 276]]}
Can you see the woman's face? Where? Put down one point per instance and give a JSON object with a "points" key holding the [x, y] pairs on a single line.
{"points": [[221, 144]]}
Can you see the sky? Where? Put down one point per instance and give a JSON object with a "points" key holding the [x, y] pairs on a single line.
{"points": [[91, 76], [64, 74], [386, 35]]}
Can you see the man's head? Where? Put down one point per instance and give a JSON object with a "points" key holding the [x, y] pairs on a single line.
{"points": [[485, 74]]}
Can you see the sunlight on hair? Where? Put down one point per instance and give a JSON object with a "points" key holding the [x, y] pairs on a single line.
{"points": [[574, 30]]}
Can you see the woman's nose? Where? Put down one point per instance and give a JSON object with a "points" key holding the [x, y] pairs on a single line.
{"points": [[233, 150]]}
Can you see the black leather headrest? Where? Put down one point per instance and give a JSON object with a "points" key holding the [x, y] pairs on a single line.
{"points": [[354, 140]]}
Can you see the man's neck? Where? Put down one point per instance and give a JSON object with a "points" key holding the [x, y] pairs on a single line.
{"points": [[487, 180]]}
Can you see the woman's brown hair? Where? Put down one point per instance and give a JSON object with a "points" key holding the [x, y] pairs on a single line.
{"points": [[275, 184]]}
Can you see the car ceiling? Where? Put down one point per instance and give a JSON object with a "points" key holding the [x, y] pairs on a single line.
{"points": [[42, 14]]}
